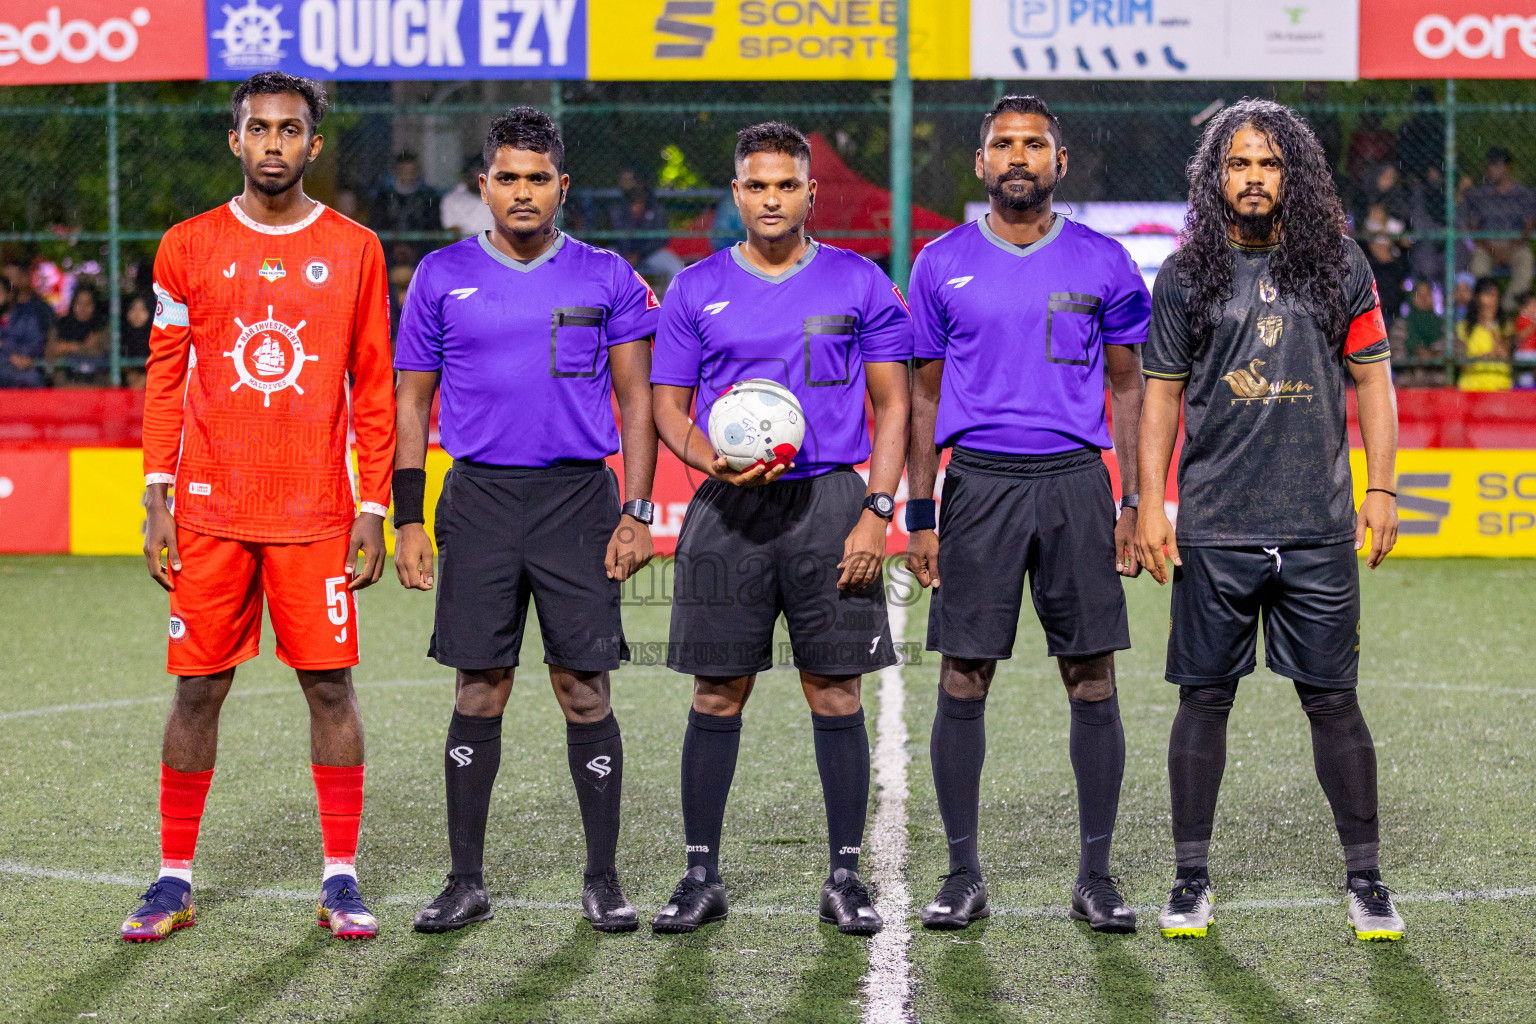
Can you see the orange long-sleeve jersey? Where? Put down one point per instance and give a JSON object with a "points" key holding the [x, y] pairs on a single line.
{"points": [[257, 331]]}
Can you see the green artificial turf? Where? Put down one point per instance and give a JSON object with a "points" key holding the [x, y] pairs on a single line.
{"points": [[1447, 690]]}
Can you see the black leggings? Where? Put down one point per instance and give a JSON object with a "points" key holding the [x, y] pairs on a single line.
{"points": [[1342, 753]]}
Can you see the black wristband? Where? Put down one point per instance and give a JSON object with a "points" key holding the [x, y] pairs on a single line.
{"points": [[921, 514], [410, 487], [1382, 490]]}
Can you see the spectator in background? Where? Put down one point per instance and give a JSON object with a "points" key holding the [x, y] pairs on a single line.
{"points": [[1382, 185], [1426, 329], [407, 203], [1523, 338], [77, 345], [133, 337], [1386, 254], [1426, 213], [1461, 298], [25, 321], [1421, 139], [1502, 204], [1484, 342], [464, 210], [1371, 144], [638, 210]]}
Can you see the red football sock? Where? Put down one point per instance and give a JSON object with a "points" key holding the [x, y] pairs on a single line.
{"points": [[182, 795], [340, 793]]}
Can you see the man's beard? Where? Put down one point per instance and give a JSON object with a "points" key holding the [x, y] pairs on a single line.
{"points": [[1256, 228], [274, 188], [1036, 195]]}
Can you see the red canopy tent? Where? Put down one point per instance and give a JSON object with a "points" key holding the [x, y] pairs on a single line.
{"points": [[844, 202]]}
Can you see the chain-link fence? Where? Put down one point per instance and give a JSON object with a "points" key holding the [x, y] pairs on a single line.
{"points": [[95, 174]]}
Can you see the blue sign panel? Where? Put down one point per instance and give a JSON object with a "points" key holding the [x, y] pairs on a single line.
{"points": [[406, 39]]}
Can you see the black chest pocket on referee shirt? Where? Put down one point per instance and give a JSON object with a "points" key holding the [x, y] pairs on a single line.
{"points": [[575, 337], [1072, 320], [829, 350]]}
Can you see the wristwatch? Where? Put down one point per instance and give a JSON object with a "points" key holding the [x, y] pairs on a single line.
{"points": [[882, 505], [1130, 501], [640, 509]]}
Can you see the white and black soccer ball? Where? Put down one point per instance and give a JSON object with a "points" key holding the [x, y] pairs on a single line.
{"points": [[756, 421]]}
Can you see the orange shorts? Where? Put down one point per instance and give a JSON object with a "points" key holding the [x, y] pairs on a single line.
{"points": [[216, 606]]}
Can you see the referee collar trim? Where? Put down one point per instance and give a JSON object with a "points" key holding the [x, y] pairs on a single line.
{"points": [[1023, 250], [811, 248], [518, 265], [275, 229]]}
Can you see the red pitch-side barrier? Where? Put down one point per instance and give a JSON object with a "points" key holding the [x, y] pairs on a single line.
{"points": [[1438, 418]]}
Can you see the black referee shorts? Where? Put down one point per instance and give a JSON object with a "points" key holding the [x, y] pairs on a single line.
{"points": [[1309, 599], [746, 554], [505, 533], [1051, 517]]}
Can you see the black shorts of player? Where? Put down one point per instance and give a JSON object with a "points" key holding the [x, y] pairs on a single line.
{"points": [[1051, 517], [746, 554], [1309, 599], [505, 533]]}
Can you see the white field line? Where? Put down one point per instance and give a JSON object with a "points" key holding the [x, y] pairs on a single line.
{"points": [[267, 691], [888, 985]]}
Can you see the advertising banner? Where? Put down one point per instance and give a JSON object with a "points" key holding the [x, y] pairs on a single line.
{"points": [[369, 40], [1147, 39], [34, 501], [773, 39], [46, 42], [1447, 39], [1457, 501]]}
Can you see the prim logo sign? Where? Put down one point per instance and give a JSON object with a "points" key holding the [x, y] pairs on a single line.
{"points": [[268, 357]]}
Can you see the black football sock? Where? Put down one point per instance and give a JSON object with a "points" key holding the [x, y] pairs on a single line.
{"points": [[1197, 758], [842, 760], [956, 750], [596, 754], [1097, 746], [709, 764], [1345, 759], [471, 758]]}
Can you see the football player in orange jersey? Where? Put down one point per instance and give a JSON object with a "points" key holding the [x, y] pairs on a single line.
{"points": [[271, 327]]}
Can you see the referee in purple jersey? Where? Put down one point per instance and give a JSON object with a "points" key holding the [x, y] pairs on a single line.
{"points": [[804, 541], [1016, 318], [530, 333]]}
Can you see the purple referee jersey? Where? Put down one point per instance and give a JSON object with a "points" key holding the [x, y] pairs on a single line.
{"points": [[1022, 330], [812, 329], [523, 347]]}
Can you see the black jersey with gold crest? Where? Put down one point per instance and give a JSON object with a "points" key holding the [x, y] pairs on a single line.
{"points": [[1266, 452]]}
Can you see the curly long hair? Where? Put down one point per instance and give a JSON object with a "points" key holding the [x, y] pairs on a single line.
{"points": [[1309, 264]]}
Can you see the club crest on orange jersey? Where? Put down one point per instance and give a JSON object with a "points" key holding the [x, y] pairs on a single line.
{"points": [[317, 272], [272, 269], [269, 356]]}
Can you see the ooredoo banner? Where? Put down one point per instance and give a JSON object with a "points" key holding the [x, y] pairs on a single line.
{"points": [[47, 43], [366, 40], [1160, 39], [1447, 39]]}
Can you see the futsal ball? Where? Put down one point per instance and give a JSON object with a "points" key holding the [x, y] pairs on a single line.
{"points": [[756, 421]]}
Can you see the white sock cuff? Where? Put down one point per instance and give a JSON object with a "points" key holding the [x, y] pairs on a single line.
{"points": [[185, 874], [332, 869]]}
